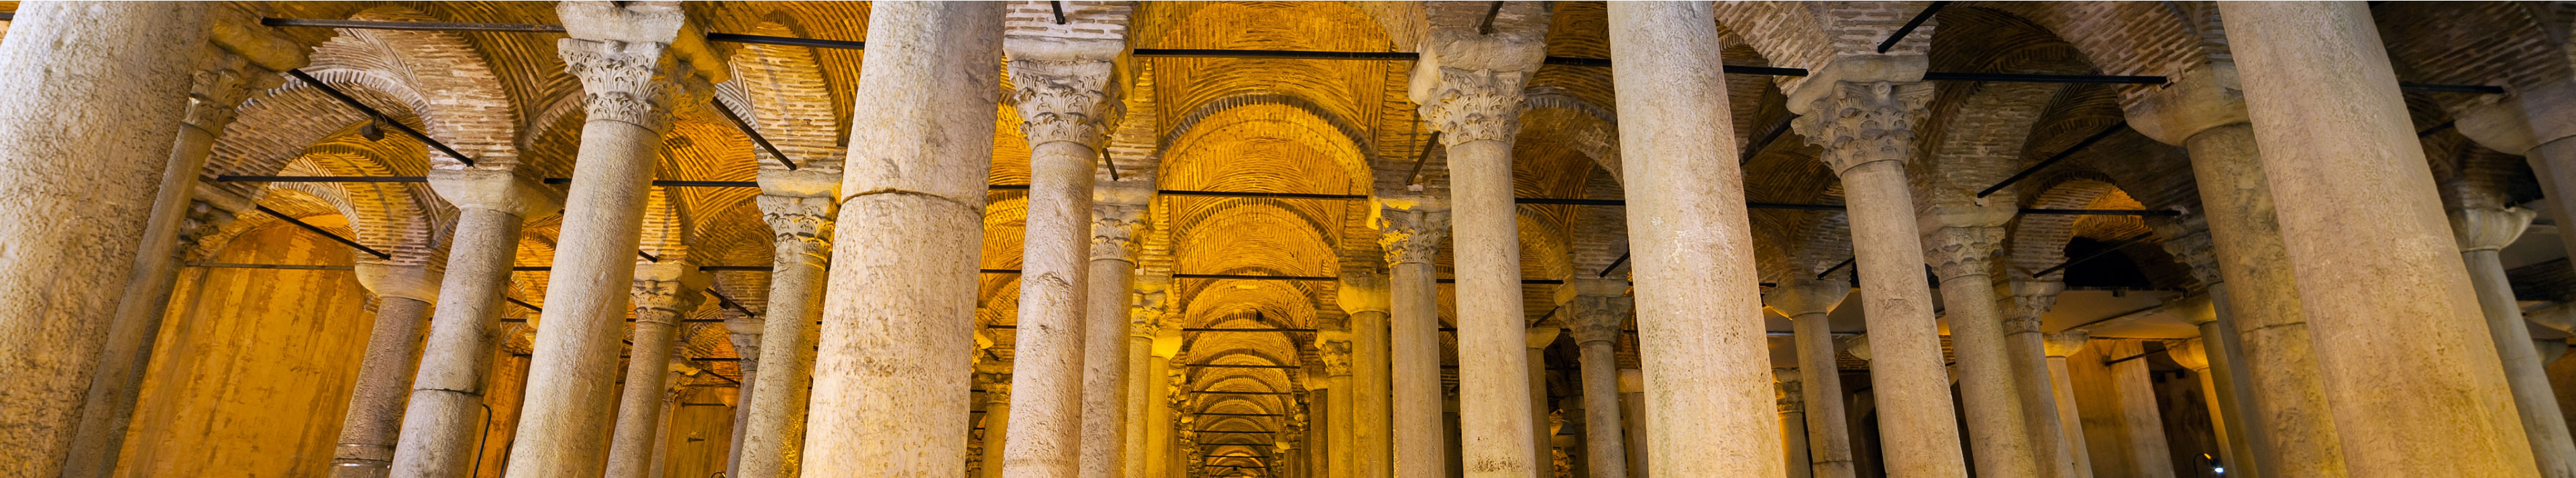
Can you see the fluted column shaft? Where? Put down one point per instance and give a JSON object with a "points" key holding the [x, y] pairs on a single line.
{"points": [[442, 421], [2062, 389], [898, 328], [73, 225], [1961, 253], [1597, 323], [636, 62], [662, 292], [799, 213], [374, 417], [1106, 338], [1807, 302], [1411, 236], [2026, 347], [1865, 128], [1707, 368], [2481, 234], [2337, 143]]}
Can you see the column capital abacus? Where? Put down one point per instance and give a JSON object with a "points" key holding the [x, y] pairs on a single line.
{"points": [[2204, 96], [1466, 106], [1113, 230], [801, 227], [675, 287], [1857, 346], [1070, 100], [409, 281], [2487, 229], [1599, 318], [1862, 122], [1411, 232], [1334, 348], [1962, 233], [1806, 295], [1363, 290], [506, 191], [2030, 299], [996, 387], [2066, 343], [2189, 353], [1539, 337]]}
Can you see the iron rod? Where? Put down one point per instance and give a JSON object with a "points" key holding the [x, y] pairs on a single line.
{"points": [[787, 41], [298, 267], [1765, 141], [1910, 25], [1614, 265], [1211, 365], [379, 116], [1254, 277], [754, 133], [1837, 266], [2046, 78], [2053, 159], [323, 232]]}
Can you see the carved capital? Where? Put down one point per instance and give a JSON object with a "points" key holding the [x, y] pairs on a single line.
{"points": [[675, 287], [1790, 393], [1960, 252], [1411, 235], [639, 83], [1145, 315], [2064, 343], [1113, 230], [217, 88], [996, 387], [802, 226], [1069, 101], [1473, 105], [1598, 318], [2487, 229], [2030, 300], [1864, 122], [1806, 296], [202, 218], [1334, 348]]}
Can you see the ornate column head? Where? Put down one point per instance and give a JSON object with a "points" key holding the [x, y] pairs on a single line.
{"points": [[996, 387], [409, 281], [1857, 346], [801, 228], [2066, 343], [1334, 348], [1070, 100], [2030, 300], [1469, 77], [674, 287], [638, 62], [1363, 290], [2487, 229], [1806, 295], [1962, 233], [1862, 109], [2190, 353], [1411, 231], [1790, 395], [1600, 309], [744, 330], [1539, 337], [1145, 314], [1114, 226], [1467, 106]]}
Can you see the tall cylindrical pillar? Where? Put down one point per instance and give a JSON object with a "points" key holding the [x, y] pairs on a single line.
{"points": [[375, 413], [1793, 426], [1364, 299], [1632, 404], [1541, 437], [2482, 234], [662, 292], [1806, 302], [1066, 108], [1599, 313], [1961, 251], [1411, 234], [2062, 389], [2026, 347], [799, 209], [2194, 354], [1333, 347], [442, 421], [1105, 337]]}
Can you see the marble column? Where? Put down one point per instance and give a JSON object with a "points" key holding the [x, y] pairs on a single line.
{"points": [[798, 206], [1793, 425], [898, 325], [442, 422], [1861, 110], [374, 417], [169, 234], [663, 294], [1599, 313], [98, 81], [1540, 442], [1067, 95], [1807, 302], [2337, 143], [997, 422], [1333, 347], [1698, 302], [1961, 251], [2194, 355], [1475, 60], [1632, 407], [2141, 424], [1159, 379], [1115, 219], [1365, 299], [1145, 373], [743, 331], [2221, 369], [2534, 122], [2204, 111], [2062, 390], [2026, 347], [1411, 230], [637, 62], [2482, 233]]}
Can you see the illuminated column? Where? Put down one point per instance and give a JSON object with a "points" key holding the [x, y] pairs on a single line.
{"points": [[2481, 234], [1599, 313], [1364, 298], [1115, 219], [1540, 436], [1793, 426], [1961, 251], [798, 205], [1807, 302], [661, 293], [2060, 345], [2026, 346], [1334, 348], [442, 422], [374, 418], [1411, 232]]}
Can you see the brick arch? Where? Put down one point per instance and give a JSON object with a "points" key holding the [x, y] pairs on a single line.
{"points": [[785, 92], [2486, 42], [462, 101], [1570, 121], [2039, 241], [2131, 38]]}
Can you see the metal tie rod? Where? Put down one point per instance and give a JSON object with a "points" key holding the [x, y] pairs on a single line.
{"points": [[378, 116]]}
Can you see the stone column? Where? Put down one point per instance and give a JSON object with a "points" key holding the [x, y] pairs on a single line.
{"points": [[2219, 368], [1632, 405], [1599, 313], [1365, 300], [2141, 424], [1861, 110], [997, 422], [2026, 347], [1793, 425], [2481, 234], [374, 417], [100, 82], [663, 293], [2533, 122], [1961, 237], [1160, 379], [743, 331], [1806, 302], [2204, 111], [1410, 231], [2336, 144], [1333, 347], [1115, 219], [442, 423], [1145, 373], [637, 62], [1468, 84], [798, 206], [1540, 442], [2194, 354], [1067, 94], [890, 380], [2062, 390], [247, 61], [1702, 348]]}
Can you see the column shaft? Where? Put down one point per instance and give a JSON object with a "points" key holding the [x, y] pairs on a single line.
{"points": [[1140, 396], [375, 413], [1707, 369], [1493, 375], [774, 418], [2482, 233], [1793, 444], [1419, 443], [2026, 348], [897, 336], [2289, 401], [1047, 367], [1104, 374], [1605, 448], [1915, 426], [1987, 388], [1370, 399], [1828, 435], [661, 293], [72, 225], [2141, 421], [2336, 143], [1158, 418], [997, 426], [2070, 420], [442, 423], [1632, 408], [1541, 437]]}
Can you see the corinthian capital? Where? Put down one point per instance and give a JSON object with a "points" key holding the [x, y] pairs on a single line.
{"points": [[638, 83], [674, 287], [1113, 230], [2030, 299], [1598, 318], [2187, 239], [1861, 122], [218, 86], [1334, 347], [1070, 100], [803, 227], [1467, 106], [1962, 233], [1411, 233]]}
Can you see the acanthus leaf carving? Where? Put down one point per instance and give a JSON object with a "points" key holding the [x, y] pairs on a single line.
{"points": [[802, 227], [1113, 230], [1598, 318], [639, 83], [1864, 122], [1412, 236], [1467, 106], [1069, 101]]}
